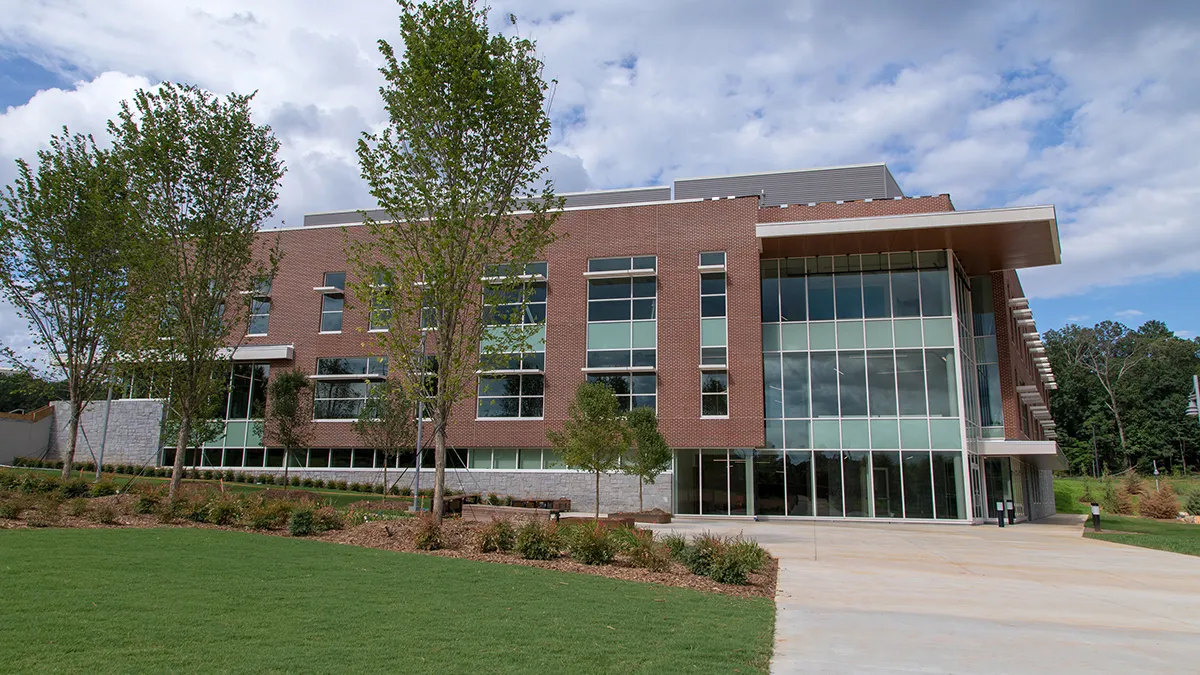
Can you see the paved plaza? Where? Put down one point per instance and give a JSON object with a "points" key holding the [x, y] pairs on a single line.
{"points": [[1031, 598]]}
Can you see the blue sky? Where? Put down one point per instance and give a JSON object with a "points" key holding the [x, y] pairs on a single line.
{"points": [[1091, 106]]}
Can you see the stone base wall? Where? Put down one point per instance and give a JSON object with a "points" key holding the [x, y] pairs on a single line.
{"points": [[133, 428], [617, 492]]}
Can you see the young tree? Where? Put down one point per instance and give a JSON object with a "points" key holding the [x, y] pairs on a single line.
{"points": [[64, 230], [650, 455], [387, 424], [202, 177], [594, 434], [462, 152], [289, 415]]}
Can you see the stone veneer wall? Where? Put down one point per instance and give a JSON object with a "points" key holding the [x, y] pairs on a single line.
{"points": [[617, 492], [133, 429]]}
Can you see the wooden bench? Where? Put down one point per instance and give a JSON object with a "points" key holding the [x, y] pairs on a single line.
{"points": [[487, 513]]}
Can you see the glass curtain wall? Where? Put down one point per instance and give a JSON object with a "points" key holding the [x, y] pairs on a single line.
{"points": [[861, 387], [987, 361]]}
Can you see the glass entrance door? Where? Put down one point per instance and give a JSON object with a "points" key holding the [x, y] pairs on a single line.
{"points": [[998, 476]]}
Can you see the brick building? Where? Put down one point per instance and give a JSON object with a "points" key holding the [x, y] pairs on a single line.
{"points": [[815, 343]]}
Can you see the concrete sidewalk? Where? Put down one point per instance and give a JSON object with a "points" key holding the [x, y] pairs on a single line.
{"points": [[1033, 598]]}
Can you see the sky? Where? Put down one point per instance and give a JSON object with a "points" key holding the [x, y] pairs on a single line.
{"points": [[1092, 106]]}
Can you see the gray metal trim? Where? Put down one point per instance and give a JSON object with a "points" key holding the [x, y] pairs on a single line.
{"points": [[869, 181]]}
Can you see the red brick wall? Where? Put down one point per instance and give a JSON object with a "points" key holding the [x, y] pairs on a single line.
{"points": [[674, 231], [855, 209], [1016, 363]]}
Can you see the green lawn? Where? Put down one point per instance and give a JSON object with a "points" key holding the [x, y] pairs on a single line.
{"points": [[1164, 535], [1068, 490], [181, 600]]}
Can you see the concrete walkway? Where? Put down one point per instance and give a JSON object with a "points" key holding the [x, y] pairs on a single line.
{"points": [[1034, 598]]}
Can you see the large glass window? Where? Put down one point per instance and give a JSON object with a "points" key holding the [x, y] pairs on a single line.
{"points": [[633, 390], [510, 395], [333, 301], [858, 365], [714, 394], [343, 385], [260, 309], [714, 338], [622, 327]]}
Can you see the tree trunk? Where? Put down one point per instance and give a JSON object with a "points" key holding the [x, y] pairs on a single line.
{"points": [[439, 471], [385, 483], [640, 506], [181, 443], [74, 431], [597, 496], [1121, 435], [287, 460]]}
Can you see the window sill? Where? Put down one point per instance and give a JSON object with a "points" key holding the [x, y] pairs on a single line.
{"points": [[711, 268], [329, 290], [622, 369], [714, 366], [349, 376], [329, 332], [619, 274], [714, 417], [348, 419], [250, 335], [509, 419], [378, 330], [518, 371]]}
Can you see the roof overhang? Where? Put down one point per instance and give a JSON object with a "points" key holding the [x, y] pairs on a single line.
{"points": [[1044, 454], [984, 240], [260, 353]]}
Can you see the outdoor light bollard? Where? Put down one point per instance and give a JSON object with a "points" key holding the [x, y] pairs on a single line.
{"points": [[1012, 512], [1000, 513], [1095, 516]]}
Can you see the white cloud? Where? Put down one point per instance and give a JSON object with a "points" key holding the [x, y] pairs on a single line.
{"points": [[1088, 106], [1128, 313]]}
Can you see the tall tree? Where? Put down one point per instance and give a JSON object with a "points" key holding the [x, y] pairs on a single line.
{"points": [[387, 424], [650, 454], [203, 178], [461, 154], [289, 415], [64, 230], [594, 434], [1109, 351], [1148, 379]]}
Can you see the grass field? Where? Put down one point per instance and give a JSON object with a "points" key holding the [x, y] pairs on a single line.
{"points": [[1069, 490], [1164, 535], [184, 600]]}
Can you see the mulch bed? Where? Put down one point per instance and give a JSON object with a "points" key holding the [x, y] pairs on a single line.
{"points": [[458, 537]]}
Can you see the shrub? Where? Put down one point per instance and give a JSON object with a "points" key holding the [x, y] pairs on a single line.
{"points": [[195, 509], [592, 544], [675, 544], [103, 488], [498, 535], [46, 513], [728, 567], [428, 534], [327, 518], [37, 484], [1161, 504], [537, 540], [224, 511], [1116, 501], [319, 483], [748, 550], [307, 482], [105, 514], [338, 484], [1087, 497], [700, 555], [11, 507], [77, 507], [1133, 483], [300, 524], [1192, 505], [377, 488], [647, 553], [295, 480], [146, 503], [169, 511], [75, 487]]}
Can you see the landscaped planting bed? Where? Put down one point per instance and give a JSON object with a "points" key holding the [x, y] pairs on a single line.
{"points": [[729, 566]]}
